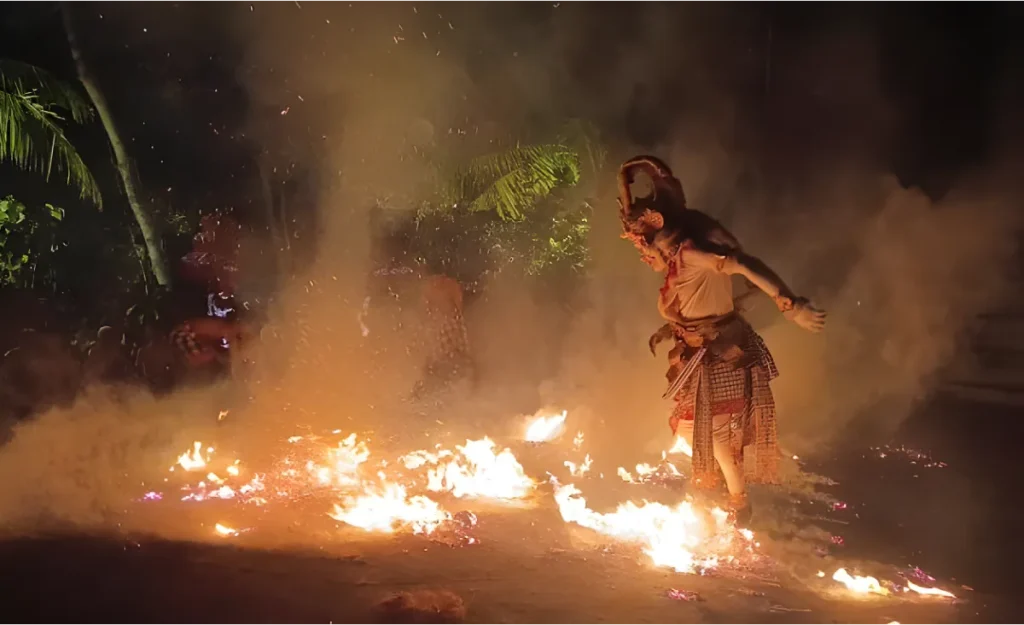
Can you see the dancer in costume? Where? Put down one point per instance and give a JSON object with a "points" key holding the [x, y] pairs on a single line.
{"points": [[720, 368]]}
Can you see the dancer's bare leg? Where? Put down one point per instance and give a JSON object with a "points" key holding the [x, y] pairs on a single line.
{"points": [[731, 471]]}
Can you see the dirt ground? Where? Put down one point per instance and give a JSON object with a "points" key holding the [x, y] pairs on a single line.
{"points": [[297, 565], [527, 568]]}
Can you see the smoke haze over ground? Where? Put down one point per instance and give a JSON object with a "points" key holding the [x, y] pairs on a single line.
{"points": [[793, 151]]}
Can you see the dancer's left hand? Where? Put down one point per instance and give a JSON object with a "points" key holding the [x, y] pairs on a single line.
{"points": [[805, 315]]}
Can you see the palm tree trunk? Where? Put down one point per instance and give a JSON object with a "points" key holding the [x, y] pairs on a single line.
{"points": [[151, 236]]}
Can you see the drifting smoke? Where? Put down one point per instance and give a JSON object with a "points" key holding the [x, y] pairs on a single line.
{"points": [[81, 467], [916, 274], [355, 100]]}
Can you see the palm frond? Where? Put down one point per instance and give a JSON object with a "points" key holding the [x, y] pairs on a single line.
{"points": [[511, 182], [50, 91], [32, 139], [585, 138]]}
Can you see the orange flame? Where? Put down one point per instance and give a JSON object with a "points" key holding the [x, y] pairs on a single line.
{"points": [[388, 509], [859, 584], [224, 530], [677, 537], [544, 429], [934, 592], [191, 461]]}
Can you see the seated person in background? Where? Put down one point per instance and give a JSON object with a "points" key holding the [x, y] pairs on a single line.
{"points": [[106, 361], [206, 344]]}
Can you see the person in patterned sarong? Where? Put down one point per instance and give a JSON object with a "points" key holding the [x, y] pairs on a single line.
{"points": [[446, 342], [428, 302], [724, 407], [206, 345]]}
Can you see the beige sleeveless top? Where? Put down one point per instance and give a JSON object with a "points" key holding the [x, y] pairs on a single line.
{"points": [[692, 293]]}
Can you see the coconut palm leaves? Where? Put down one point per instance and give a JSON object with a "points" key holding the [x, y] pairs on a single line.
{"points": [[512, 182], [31, 136], [585, 139]]}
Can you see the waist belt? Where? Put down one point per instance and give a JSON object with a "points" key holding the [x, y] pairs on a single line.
{"points": [[697, 332]]}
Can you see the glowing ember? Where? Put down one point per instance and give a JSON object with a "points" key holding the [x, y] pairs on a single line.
{"points": [[921, 576], [684, 537], [224, 530], [916, 457], [647, 473], [934, 592], [390, 509], [676, 537], [858, 583], [309, 467], [544, 429]]}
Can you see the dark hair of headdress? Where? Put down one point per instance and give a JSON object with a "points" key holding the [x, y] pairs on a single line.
{"points": [[663, 210]]}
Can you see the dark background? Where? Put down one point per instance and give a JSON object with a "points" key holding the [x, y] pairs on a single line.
{"points": [[950, 76], [949, 71]]}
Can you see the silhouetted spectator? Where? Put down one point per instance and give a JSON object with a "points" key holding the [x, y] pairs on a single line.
{"points": [[107, 361]]}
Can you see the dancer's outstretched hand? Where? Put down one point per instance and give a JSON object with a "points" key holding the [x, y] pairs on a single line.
{"points": [[805, 315]]}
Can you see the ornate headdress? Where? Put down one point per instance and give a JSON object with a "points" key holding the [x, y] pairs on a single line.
{"points": [[643, 218]]}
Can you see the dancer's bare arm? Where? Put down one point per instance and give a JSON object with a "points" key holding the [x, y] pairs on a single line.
{"points": [[735, 261]]}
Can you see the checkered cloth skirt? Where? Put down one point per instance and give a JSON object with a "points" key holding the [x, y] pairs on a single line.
{"points": [[447, 343], [185, 339], [743, 391]]}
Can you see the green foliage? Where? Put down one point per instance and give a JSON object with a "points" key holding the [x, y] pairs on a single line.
{"points": [[31, 136], [566, 247], [20, 247], [512, 182], [50, 91], [585, 139], [524, 210], [173, 220], [552, 241]]}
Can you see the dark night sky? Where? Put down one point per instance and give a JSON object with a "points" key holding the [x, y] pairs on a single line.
{"points": [[175, 81], [940, 65]]}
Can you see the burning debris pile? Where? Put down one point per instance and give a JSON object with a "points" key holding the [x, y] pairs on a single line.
{"points": [[414, 493]]}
